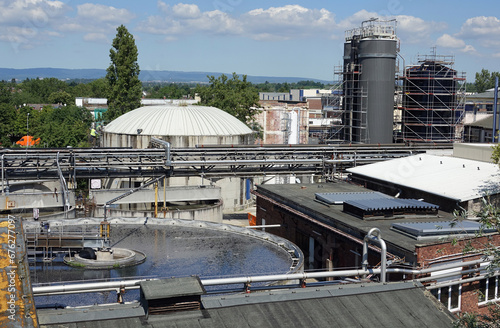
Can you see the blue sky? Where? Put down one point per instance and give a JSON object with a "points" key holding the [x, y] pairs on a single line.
{"points": [[271, 38]]}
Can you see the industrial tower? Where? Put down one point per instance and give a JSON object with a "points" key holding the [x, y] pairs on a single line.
{"points": [[433, 101], [368, 82]]}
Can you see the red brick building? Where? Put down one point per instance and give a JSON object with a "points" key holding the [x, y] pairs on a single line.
{"points": [[421, 243]]}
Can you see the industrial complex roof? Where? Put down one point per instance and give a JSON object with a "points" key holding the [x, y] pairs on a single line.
{"points": [[450, 177], [302, 198], [368, 305], [169, 120]]}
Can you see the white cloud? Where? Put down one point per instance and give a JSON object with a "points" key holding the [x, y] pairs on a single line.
{"points": [[416, 30], [27, 23], [96, 37], [182, 20], [469, 49], [449, 41], [355, 20], [410, 29], [96, 20], [477, 36], [275, 23], [186, 11], [36, 13], [89, 13], [480, 26], [292, 21]]}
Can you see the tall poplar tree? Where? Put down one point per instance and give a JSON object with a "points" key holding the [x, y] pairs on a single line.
{"points": [[123, 75]]}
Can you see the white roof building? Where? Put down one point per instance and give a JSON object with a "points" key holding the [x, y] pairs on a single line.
{"points": [[432, 177]]}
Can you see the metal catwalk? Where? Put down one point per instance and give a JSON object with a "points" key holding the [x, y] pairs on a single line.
{"points": [[72, 163]]}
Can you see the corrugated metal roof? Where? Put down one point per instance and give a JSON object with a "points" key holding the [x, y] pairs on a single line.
{"points": [[390, 204], [338, 198], [169, 120], [455, 178], [368, 305]]}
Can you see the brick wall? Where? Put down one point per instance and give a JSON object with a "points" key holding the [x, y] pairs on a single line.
{"points": [[449, 250], [342, 251]]}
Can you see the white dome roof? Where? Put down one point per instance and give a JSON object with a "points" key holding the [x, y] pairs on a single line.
{"points": [[169, 120]]}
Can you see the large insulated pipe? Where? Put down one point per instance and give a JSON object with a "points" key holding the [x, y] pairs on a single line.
{"points": [[495, 138], [134, 284], [374, 236]]}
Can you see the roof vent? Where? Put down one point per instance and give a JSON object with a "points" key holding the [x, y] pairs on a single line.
{"points": [[439, 229], [165, 296], [375, 209]]}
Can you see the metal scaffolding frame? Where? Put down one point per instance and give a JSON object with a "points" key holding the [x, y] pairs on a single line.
{"points": [[433, 101], [349, 105]]}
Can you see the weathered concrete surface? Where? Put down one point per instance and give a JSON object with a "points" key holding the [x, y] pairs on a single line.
{"points": [[41, 200], [172, 194], [17, 308]]}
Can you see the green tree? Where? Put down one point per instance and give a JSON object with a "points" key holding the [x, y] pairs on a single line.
{"points": [[5, 92], [61, 97], [62, 127], [99, 88], [485, 80], [7, 118], [169, 91], [237, 97], [123, 75]]}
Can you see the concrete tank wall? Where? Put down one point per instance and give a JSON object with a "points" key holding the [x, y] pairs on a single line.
{"points": [[142, 141], [378, 64], [211, 213]]}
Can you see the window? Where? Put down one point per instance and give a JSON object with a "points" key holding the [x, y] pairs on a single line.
{"points": [[488, 290], [449, 296]]}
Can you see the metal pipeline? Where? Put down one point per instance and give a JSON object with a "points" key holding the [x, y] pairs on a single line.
{"points": [[86, 287], [113, 285], [166, 145], [134, 284], [455, 282], [374, 236]]}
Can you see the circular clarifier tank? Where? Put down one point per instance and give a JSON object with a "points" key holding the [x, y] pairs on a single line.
{"points": [[172, 248]]}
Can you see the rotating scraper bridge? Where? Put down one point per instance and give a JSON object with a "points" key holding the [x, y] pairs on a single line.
{"points": [[68, 164]]}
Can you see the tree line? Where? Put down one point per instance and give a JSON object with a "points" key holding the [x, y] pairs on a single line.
{"points": [[60, 123]]}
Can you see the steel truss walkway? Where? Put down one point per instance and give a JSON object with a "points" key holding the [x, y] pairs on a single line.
{"points": [[219, 161]]}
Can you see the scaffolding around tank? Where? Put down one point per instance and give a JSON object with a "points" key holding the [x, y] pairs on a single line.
{"points": [[433, 100]]}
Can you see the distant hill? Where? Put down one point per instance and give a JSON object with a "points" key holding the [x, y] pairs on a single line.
{"points": [[8, 74]]}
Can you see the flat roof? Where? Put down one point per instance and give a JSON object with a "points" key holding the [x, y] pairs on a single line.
{"points": [[451, 177], [301, 197]]}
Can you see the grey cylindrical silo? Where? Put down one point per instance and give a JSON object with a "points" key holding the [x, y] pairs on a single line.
{"points": [[377, 58]]}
